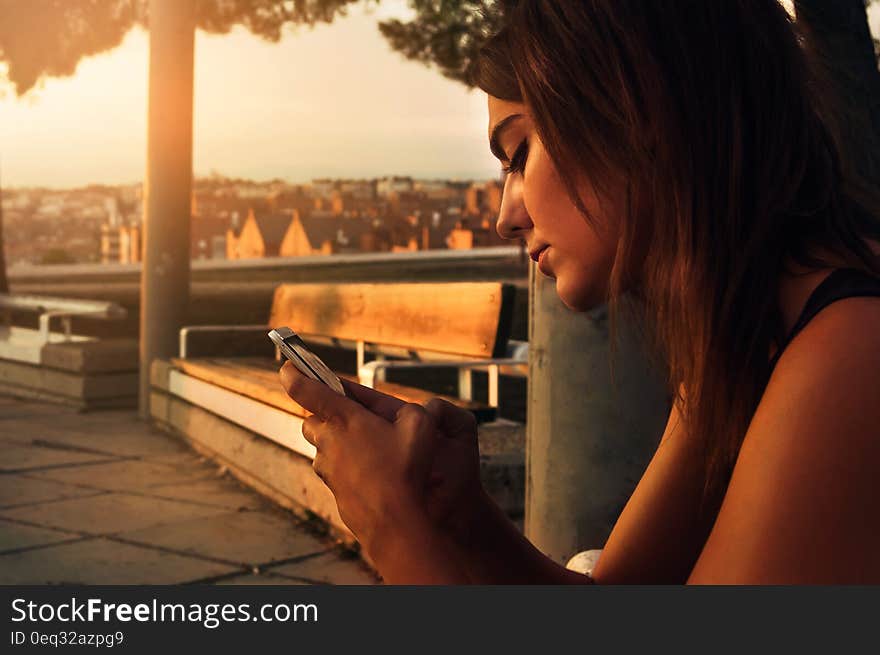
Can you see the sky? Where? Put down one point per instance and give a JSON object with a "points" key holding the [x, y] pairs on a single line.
{"points": [[333, 101]]}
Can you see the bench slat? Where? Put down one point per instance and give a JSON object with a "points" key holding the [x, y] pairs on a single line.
{"points": [[465, 318], [257, 378]]}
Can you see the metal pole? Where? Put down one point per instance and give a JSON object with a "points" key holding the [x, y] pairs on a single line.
{"points": [[587, 441], [165, 276], [4, 282]]}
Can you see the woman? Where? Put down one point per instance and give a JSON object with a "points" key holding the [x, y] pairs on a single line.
{"points": [[677, 151]]}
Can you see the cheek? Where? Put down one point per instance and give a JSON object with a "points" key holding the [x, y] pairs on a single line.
{"points": [[544, 195], [581, 256]]}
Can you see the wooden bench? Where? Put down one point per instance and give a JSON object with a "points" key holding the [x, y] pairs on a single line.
{"points": [[61, 366], [405, 329]]}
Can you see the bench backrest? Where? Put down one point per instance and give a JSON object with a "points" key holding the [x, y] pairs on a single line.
{"points": [[72, 306], [464, 318]]}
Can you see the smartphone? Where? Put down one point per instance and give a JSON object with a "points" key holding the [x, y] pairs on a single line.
{"points": [[308, 363]]}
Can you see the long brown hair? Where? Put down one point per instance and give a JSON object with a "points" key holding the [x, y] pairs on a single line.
{"points": [[711, 115]]}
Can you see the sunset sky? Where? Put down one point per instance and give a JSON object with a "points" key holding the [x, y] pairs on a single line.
{"points": [[333, 101]]}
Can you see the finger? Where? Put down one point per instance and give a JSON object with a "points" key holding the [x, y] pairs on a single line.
{"points": [[309, 430], [315, 396], [412, 419], [377, 402], [451, 420], [318, 466]]}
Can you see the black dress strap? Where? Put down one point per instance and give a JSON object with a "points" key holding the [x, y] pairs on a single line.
{"points": [[841, 283]]}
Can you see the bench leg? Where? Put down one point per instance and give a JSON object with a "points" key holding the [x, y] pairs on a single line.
{"points": [[465, 392], [493, 385], [44, 327], [360, 354]]}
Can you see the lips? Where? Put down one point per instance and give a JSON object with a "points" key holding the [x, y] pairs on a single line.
{"points": [[536, 254]]}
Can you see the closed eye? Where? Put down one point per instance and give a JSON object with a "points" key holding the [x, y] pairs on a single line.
{"points": [[518, 161]]}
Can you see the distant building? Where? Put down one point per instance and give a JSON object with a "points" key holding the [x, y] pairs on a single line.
{"points": [[482, 199], [262, 235], [250, 191], [232, 236], [121, 244], [440, 190], [358, 189], [130, 244], [436, 228], [322, 188], [109, 244], [464, 237], [389, 185], [290, 200], [324, 235], [111, 206], [208, 237]]}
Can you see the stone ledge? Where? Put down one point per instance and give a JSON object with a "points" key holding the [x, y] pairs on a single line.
{"points": [[281, 475], [78, 403], [102, 356], [288, 479]]}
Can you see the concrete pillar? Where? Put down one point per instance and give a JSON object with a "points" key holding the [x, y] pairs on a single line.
{"points": [[167, 188], [587, 441]]}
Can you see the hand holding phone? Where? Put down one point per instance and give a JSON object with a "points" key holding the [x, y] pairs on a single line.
{"points": [[307, 362]]}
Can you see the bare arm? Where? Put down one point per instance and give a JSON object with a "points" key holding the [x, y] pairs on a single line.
{"points": [[660, 532], [490, 550], [803, 502]]}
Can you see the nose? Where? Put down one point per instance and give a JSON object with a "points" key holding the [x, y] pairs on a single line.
{"points": [[513, 219]]}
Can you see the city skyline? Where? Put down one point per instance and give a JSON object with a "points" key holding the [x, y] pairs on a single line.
{"points": [[259, 114]]}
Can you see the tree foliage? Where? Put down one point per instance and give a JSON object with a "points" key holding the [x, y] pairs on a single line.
{"points": [[48, 38], [446, 34]]}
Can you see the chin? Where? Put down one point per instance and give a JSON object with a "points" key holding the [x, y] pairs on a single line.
{"points": [[578, 298]]}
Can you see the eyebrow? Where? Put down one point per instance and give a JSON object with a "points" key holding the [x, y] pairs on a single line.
{"points": [[494, 146]]}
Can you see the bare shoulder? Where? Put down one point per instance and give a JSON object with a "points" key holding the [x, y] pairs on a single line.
{"points": [[804, 500]]}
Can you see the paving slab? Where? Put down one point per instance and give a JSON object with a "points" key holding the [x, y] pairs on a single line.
{"points": [[260, 580], [25, 423], [331, 568], [130, 441], [218, 492], [102, 561], [11, 406], [18, 489], [22, 458], [104, 498], [15, 535], [126, 475], [247, 538], [185, 457], [109, 513], [112, 417]]}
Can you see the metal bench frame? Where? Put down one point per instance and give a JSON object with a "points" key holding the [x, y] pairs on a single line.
{"points": [[369, 373], [64, 308]]}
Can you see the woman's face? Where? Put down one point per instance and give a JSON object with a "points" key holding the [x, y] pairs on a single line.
{"points": [[536, 208]]}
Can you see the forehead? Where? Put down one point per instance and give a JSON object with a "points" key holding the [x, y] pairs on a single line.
{"points": [[501, 109]]}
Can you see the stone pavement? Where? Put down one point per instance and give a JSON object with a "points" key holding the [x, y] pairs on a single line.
{"points": [[104, 498]]}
